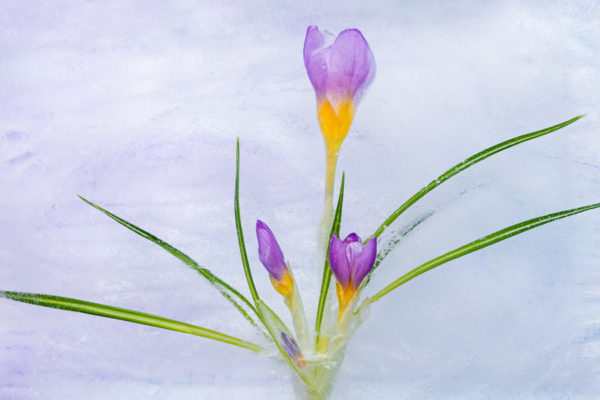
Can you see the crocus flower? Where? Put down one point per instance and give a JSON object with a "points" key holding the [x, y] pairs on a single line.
{"points": [[271, 257], [340, 73], [292, 350], [350, 262]]}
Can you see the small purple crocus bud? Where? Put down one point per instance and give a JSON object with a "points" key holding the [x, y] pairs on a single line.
{"points": [[292, 350], [271, 257], [350, 262]]}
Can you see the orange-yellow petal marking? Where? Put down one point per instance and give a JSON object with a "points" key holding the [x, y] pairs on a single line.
{"points": [[344, 295], [284, 286], [335, 122]]}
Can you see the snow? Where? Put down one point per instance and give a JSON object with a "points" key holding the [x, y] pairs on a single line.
{"points": [[137, 106]]}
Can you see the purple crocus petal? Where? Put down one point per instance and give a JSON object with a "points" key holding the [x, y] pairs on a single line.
{"points": [[269, 252], [315, 59], [338, 260], [351, 65], [365, 262], [353, 251], [353, 237], [340, 71]]}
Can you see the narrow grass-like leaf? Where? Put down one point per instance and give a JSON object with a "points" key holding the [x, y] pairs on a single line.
{"points": [[224, 288], [479, 244], [238, 226], [325, 282], [474, 159], [68, 304]]}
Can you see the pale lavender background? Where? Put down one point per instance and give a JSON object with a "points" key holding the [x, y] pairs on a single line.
{"points": [[137, 105]]}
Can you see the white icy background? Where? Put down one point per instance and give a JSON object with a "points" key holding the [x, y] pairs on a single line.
{"points": [[137, 105]]}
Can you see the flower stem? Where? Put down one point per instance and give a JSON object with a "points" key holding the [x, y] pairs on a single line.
{"points": [[327, 214], [331, 157]]}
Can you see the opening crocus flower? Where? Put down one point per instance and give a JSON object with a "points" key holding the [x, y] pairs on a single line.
{"points": [[350, 262], [271, 257], [340, 73]]}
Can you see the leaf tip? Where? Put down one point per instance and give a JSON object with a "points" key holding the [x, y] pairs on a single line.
{"points": [[86, 200]]}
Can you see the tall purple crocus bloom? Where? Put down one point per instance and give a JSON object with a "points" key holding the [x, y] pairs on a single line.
{"points": [[350, 262], [340, 69], [271, 257]]}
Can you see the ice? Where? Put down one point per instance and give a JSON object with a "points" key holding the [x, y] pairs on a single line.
{"points": [[137, 106]]}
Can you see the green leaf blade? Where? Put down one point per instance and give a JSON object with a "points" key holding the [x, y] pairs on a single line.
{"points": [[239, 229], [479, 244], [474, 159], [86, 307], [223, 287]]}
